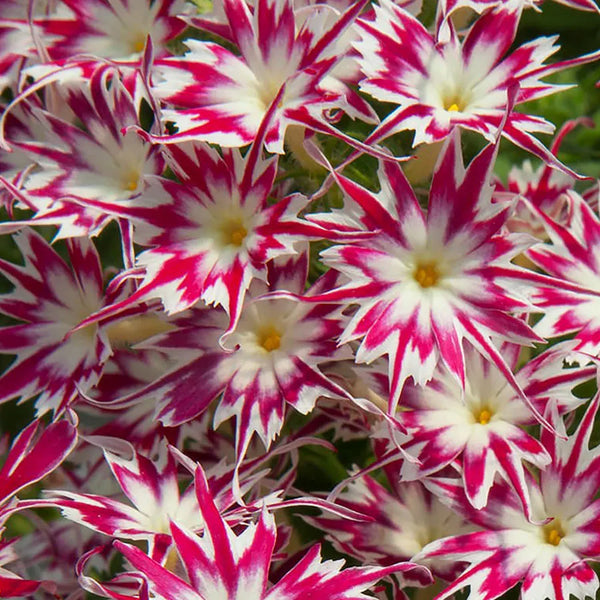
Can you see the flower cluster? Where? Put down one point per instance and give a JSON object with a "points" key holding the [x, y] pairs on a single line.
{"points": [[283, 312]]}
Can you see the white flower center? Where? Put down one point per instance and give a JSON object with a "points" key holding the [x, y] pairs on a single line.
{"points": [[267, 92], [265, 332], [450, 83]]}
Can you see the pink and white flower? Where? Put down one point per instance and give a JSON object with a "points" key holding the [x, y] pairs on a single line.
{"points": [[447, 7], [423, 284], [75, 165], [51, 298], [440, 84], [33, 455], [222, 563], [403, 522], [218, 97], [115, 29], [573, 257], [550, 555], [483, 425], [215, 233], [153, 490], [11, 585], [50, 553], [272, 360], [544, 187]]}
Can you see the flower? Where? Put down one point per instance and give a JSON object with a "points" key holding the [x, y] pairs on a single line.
{"points": [[74, 164], [222, 563], [33, 455], [51, 298], [544, 187], [216, 96], [422, 284], [572, 257], [214, 233], [482, 425], [272, 359], [11, 585], [152, 487], [447, 7], [439, 84], [402, 523], [115, 29], [549, 555]]}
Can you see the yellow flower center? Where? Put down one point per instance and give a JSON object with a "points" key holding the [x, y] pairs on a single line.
{"points": [[270, 339], [139, 43], [454, 103], [553, 532], [426, 274], [234, 233], [484, 416], [131, 181]]}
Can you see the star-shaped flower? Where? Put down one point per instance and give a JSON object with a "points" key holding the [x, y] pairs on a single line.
{"points": [[424, 283], [51, 298], [224, 564], [550, 555], [439, 84], [217, 96]]}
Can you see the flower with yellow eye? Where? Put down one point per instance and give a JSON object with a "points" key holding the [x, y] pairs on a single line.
{"points": [[548, 553]]}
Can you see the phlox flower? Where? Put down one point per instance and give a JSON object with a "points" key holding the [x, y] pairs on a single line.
{"points": [[424, 283], [447, 7], [32, 455], [15, 165], [440, 84], [71, 39], [573, 256], [483, 425], [50, 552], [224, 564], [549, 555], [215, 96], [16, 48], [153, 490], [544, 187], [138, 359], [272, 359], [127, 371], [215, 232], [402, 522], [85, 159], [25, 38], [11, 585], [51, 298], [115, 29]]}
